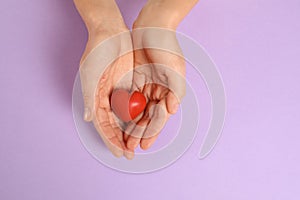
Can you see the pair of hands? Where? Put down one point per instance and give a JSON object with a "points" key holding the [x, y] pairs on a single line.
{"points": [[148, 60]]}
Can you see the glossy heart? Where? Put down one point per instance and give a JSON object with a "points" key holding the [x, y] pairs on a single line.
{"points": [[127, 106]]}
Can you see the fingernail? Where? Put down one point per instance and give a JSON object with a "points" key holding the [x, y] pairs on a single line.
{"points": [[136, 145], [150, 144], [87, 114], [132, 145], [175, 107], [118, 154], [129, 155], [145, 145]]}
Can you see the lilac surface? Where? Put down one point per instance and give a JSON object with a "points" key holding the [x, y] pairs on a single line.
{"points": [[255, 45]]}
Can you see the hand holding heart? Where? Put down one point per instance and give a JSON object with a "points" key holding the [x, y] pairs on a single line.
{"points": [[127, 106], [155, 62], [159, 73], [153, 87]]}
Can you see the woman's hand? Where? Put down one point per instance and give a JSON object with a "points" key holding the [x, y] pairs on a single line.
{"points": [[107, 57], [159, 68], [161, 78]]}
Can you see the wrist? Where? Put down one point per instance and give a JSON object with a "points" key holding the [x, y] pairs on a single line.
{"points": [[102, 30], [157, 15], [164, 13], [100, 14], [110, 26]]}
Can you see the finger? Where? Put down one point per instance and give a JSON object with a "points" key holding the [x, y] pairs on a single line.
{"points": [[172, 103], [136, 129], [137, 133], [89, 85], [89, 77], [141, 76], [130, 127], [102, 102], [159, 117], [87, 94], [129, 154], [115, 127], [133, 123], [105, 114], [177, 88], [113, 123], [112, 144], [146, 143], [108, 133], [176, 81]]}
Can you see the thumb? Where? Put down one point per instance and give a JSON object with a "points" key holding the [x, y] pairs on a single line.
{"points": [[88, 85], [88, 109], [177, 90], [172, 103]]}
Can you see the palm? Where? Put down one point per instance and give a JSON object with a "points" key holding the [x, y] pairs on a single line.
{"points": [[105, 122], [100, 73], [153, 73]]}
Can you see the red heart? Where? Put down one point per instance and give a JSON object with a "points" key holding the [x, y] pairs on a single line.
{"points": [[127, 106]]}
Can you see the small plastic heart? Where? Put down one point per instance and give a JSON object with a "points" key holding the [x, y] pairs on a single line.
{"points": [[127, 106]]}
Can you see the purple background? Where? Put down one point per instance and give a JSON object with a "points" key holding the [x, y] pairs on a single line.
{"points": [[256, 46]]}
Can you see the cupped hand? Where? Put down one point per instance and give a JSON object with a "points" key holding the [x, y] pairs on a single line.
{"points": [[159, 73], [101, 71], [159, 68], [107, 58]]}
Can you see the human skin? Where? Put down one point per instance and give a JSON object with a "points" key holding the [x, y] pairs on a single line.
{"points": [[103, 20], [156, 14], [164, 13]]}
